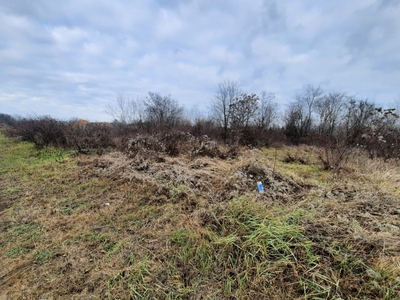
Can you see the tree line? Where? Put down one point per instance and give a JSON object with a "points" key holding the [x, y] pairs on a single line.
{"points": [[312, 117], [334, 120]]}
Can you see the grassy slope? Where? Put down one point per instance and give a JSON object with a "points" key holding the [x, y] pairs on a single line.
{"points": [[179, 228]]}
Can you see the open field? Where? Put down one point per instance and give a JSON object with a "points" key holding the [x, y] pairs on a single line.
{"points": [[184, 227]]}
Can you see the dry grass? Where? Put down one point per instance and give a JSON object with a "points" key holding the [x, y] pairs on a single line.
{"points": [[162, 227], [383, 175]]}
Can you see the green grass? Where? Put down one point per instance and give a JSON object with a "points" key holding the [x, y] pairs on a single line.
{"points": [[68, 207], [23, 158], [16, 252], [246, 247], [311, 171], [11, 190], [24, 233], [21, 239], [42, 256], [245, 251]]}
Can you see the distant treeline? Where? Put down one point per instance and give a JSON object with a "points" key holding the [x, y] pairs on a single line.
{"points": [[334, 120]]}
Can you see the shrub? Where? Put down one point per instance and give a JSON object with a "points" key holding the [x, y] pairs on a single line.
{"points": [[381, 137], [42, 131], [89, 137], [334, 153]]}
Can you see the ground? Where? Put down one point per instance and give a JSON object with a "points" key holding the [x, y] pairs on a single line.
{"points": [[123, 226]]}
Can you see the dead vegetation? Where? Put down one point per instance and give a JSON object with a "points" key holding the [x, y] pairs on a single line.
{"points": [[151, 222]]}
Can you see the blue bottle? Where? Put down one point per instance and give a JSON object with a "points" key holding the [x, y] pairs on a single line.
{"points": [[260, 187]]}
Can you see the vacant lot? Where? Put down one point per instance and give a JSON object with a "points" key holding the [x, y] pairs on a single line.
{"points": [[160, 227]]}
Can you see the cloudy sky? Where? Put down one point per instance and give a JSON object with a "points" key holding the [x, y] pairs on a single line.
{"points": [[72, 58]]}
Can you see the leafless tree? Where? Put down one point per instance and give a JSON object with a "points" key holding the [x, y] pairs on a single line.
{"points": [[220, 105], [126, 111], [243, 110], [194, 114], [358, 115], [330, 111], [308, 101], [162, 110], [299, 115], [267, 110], [294, 122]]}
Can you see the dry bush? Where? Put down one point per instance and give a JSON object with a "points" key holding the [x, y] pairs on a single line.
{"points": [[252, 137], [257, 137], [42, 131], [8, 131], [381, 137], [142, 145], [335, 157], [204, 146], [79, 135], [86, 138], [173, 144], [177, 142], [203, 127], [334, 153]]}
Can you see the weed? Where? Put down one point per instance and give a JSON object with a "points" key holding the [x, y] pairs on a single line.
{"points": [[68, 207], [41, 256], [26, 232], [113, 249], [245, 246], [10, 191], [135, 280], [21, 229], [15, 252]]}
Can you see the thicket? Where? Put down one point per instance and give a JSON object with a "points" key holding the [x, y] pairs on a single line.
{"points": [[79, 135], [335, 122]]}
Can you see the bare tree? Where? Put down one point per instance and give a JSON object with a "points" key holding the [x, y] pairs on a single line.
{"points": [[267, 110], [126, 111], [308, 100], [243, 110], [195, 113], [294, 121], [299, 115], [330, 109], [220, 105], [357, 116], [162, 110]]}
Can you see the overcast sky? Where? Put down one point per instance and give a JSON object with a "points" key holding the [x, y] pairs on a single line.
{"points": [[71, 58]]}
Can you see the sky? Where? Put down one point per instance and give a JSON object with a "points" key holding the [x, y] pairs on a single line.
{"points": [[71, 59]]}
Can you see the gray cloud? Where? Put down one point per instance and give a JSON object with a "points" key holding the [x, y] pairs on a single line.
{"points": [[70, 59]]}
